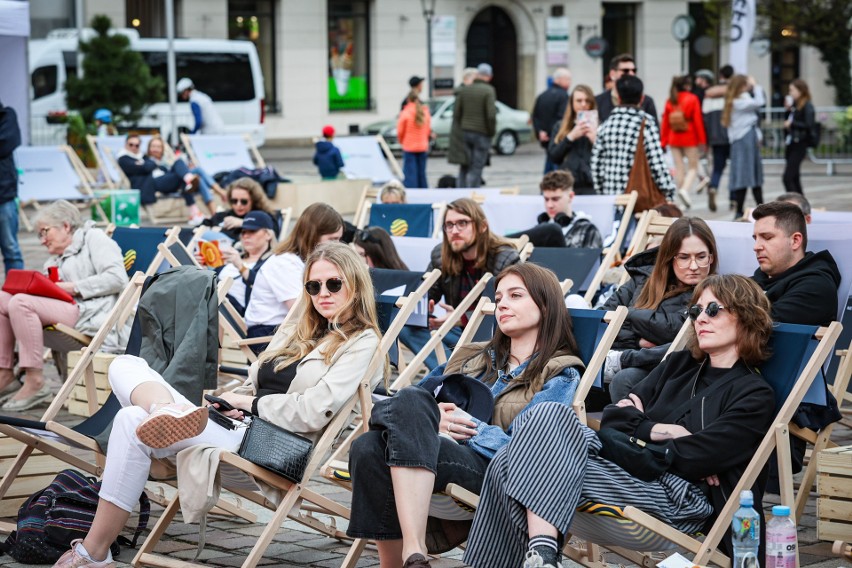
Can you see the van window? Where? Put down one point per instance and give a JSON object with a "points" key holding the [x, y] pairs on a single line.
{"points": [[70, 58], [44, 81], [222, 76]]}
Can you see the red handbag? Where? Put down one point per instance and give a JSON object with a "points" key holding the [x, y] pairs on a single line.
{"points": [[34, 283]]}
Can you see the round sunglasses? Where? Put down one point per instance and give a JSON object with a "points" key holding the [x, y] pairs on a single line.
{"points": [[333, 285], [712, 310]]}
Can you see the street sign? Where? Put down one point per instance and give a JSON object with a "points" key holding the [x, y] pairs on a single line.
{"points": [[595, 46], [682, 27]]}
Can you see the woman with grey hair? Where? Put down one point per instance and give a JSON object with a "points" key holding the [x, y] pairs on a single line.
{"points": [[90, 268]]}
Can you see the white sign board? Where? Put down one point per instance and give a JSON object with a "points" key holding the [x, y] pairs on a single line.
{"points": [[558, 40], [444, 41]]}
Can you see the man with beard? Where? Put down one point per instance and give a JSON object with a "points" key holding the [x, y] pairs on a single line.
{"points": [[469, 250]]}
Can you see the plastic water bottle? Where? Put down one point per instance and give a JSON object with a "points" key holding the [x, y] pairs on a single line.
{"points": [[745, 532], [780, 539]]}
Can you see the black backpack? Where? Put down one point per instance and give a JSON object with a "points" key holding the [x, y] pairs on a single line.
{"points": [[63, 511]]}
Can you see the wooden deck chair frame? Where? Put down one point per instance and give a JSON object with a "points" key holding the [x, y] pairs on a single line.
{"points": [[438, 210], [86, 183], [651, 224], [369, 195], [172, 236], [628, 202], [296, 493], [615, 319], [123, 182], [776, 438]]}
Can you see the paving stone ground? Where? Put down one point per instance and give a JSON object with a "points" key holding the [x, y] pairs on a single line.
{"points": [[229, 540]]}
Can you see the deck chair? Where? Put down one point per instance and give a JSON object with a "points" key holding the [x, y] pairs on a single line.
{"points": [[222, 153], [369, 195], [512, 213], [139, 246], [798, 354], [48, 173], [595, 331], [297, 495], [651, 225], [368, 157], [415, 252], [575, 264], [106, 150], [405, 219], [613, 238]]}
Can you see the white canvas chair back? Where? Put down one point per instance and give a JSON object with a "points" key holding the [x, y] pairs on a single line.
{"points": [[107, 149], [47, 173], [837, 239], [363, 159], [820, 217], [415, 252], [599, 208], [452, 193], [512, 213], [222, 153]]}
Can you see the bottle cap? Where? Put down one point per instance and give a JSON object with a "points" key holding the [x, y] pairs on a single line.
{"points": [[746, 498], [780, 511]]}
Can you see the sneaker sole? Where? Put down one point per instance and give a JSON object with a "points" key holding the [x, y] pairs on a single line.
{"points": [[163, 430]]}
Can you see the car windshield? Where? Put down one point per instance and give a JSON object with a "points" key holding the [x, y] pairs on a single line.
{"points": [[434, 105]]}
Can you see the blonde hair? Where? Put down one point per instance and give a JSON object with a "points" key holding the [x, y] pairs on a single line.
{"points": [[736, 86], [311, 329]]}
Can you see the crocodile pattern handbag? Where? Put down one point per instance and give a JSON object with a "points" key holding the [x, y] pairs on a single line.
{"points": [[276, 449]]}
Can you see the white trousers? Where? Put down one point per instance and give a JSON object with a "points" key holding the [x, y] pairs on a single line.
{"points": [[128, 460]]}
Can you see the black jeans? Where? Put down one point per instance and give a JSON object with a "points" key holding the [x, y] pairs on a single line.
{"points": [[403, 433], [636, 364], [720, 158], [795, 154]]}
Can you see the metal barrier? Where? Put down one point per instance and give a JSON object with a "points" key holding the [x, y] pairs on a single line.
{"points": [[833, 148], [44, 133]]}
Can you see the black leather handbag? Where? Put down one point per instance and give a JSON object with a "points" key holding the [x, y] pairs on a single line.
{"points": [[643, 460], [276, 449]]}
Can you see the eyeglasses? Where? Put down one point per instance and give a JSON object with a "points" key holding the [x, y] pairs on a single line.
{"points": [[365, 236], [703, 260], [239, 201], [712, 310], [461, 225], [43, 232], [129, 145], [333, 285]]}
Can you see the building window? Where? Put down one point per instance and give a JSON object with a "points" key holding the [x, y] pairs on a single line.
{"points": [[148, 18], [348, 55], [619, 31], [254, 20], [703, 48]]}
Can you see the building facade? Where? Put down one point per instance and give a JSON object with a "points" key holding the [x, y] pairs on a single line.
{"points": [[347, 62]]}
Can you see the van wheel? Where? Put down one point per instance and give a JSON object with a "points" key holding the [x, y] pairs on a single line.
{"points": [[507, 143]]}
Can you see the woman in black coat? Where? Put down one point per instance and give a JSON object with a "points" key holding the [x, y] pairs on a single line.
{"points": [[801, 133], [572, 139]]}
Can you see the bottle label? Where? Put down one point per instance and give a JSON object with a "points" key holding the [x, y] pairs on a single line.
{"points": [[745, 528], [781, 551]]}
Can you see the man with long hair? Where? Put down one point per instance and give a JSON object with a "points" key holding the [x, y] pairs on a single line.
{"points": [[469, 250]]}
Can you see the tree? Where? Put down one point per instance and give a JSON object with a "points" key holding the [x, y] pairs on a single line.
{"points": [[823, 24], [114, 77]]}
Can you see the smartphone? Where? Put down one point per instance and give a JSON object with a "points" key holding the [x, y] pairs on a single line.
{"points": [[224, 405]]}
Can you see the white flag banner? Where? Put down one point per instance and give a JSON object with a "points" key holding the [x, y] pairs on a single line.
{"points": [[742, 30]]}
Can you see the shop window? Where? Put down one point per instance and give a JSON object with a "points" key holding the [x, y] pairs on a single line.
{"points": [[254, 20], [348, 55], [619, 31]]}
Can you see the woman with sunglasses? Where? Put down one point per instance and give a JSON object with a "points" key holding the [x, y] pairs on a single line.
{"points": [[661, 282], [278, 285], [307, 375], [707, 405], [375, 246], [244, 195], [416, 446]]}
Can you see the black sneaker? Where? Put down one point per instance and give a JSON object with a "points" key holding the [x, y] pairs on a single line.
{"points": [[416, 561], [711, 198]]}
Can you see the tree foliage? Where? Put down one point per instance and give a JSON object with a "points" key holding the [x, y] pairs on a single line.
{"points": [[114, 77]]}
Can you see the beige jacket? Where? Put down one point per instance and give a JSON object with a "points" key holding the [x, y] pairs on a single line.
{"points": [[316, 394]]}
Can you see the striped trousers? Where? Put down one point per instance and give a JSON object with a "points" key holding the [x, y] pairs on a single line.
{"points": [[550, 467]]}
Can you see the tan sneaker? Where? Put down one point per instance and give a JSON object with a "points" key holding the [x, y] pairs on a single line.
{"points": [[172, 423], [73, 559]]}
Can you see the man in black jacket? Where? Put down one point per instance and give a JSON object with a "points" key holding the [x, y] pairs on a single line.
{"points": [[10, 138], [607, 101], [469, 250], [548, 110]]}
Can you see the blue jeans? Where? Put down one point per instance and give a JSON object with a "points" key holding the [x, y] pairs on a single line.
{"points": [[414, 169], [477, 146], [12, 256], [205, 184], [415, 338], [720, 158], [404, 433]]}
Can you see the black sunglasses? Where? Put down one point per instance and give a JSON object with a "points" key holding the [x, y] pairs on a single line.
{"points": [[365, 236], [333, 285], [712, 310], [239, 201]]}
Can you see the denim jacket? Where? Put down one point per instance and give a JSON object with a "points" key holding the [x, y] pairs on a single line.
{"points": [[490, 438]]}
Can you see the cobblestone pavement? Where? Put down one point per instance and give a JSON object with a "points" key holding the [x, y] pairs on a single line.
{"points": [[229, 540]]}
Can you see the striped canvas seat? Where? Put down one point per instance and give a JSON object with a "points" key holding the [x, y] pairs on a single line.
{"points": [[606, 525]]}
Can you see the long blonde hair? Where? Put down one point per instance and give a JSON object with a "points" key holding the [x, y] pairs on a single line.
{"points": [[569, 118], [311, 329], [736, 86]]}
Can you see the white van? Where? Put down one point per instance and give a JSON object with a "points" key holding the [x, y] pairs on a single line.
{"points": [[228, 71]]}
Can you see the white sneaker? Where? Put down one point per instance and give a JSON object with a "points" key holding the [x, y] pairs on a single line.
{"points": [[74, 559], [534, 560], [684, 196], [612, 365], [196, 220]]}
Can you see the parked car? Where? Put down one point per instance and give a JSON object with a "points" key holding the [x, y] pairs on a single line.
{"points": [[513, 126]]}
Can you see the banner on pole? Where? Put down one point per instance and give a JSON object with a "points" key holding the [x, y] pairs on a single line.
{"points": [[742, 29]]}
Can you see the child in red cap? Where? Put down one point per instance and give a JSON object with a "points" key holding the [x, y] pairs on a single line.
{"points": [[327, 157]]}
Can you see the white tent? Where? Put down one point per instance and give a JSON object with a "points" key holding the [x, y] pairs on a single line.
{"points": [[15, 86]]}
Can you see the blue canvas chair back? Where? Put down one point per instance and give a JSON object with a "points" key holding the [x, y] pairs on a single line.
{"points": [[578, 264], [403, 219], [138, 246], [791, 346], [389, 286], [589, 327]]}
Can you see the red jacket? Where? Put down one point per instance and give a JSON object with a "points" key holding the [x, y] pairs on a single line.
{"points": [[695, 134], [413, 137]]}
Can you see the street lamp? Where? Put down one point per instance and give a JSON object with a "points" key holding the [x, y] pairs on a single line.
{"points": [[428, 7]]}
